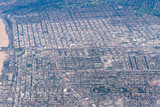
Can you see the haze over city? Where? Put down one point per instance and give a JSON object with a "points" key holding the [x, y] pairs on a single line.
{"points": [[79, 53]]}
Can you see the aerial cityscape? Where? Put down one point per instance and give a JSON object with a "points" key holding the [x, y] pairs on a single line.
{"points": [[88, 53]]}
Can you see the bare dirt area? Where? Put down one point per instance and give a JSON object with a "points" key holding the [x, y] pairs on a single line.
{"points": [[3, 43]]}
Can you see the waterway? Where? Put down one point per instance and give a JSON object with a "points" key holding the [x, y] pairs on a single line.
{"points": [[4, 41]]}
